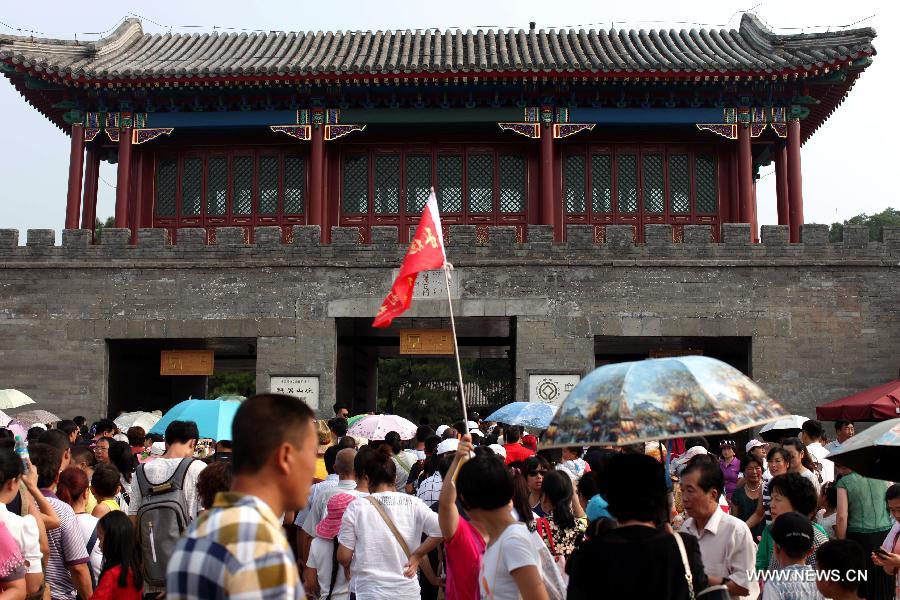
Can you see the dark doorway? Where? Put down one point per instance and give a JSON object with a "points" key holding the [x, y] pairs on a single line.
{"points": [[135, 382], [735, 351], [373, 375]]}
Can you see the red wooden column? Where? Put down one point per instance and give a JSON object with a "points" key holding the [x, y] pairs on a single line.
{"points": [[76, 169], [91, 179], [781, 183], [123, 179], [548, 214], [316, 169], [745, 175], [795, 179]]}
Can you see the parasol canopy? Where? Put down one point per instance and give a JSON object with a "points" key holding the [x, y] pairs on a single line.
{"points": [[140, 418], [782, 428], [528, 414], [873, 453], [213, 417], [657, 399], [375, 427], [36, 415], [874, 404], [13, 399], [352, 420]]}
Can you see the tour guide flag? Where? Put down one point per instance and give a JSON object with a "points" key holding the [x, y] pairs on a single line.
{"points": [[426, 252]]}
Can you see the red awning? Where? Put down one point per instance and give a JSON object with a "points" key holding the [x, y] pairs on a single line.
{"points": [[874, 404]]}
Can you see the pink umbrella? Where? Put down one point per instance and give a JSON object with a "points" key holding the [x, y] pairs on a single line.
{"points": [[375, 427], [18, 428]]}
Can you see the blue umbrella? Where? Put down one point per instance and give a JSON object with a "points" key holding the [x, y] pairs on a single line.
{"points": [[213, 417], [527, 414]]}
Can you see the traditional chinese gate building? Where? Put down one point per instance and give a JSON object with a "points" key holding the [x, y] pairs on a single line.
{"points": [[540, 145], [510, 127]]}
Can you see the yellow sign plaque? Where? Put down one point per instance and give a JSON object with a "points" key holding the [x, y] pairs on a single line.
{"points": [[186, 362], [426, 341]]}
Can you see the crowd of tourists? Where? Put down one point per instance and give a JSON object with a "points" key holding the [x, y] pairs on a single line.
{"points": [[292, 507]]}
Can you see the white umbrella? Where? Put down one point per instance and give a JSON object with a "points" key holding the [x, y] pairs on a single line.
{"points": [[784, 427], [140, 418], [4, 419], [13, 399]]}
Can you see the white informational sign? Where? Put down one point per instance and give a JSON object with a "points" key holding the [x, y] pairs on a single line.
{"points": [[551, 389], [304, 388], [431, 284]]}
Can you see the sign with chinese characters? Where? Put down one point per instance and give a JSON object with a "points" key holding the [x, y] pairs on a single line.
{"points": [[426, 341], [551, 389], [431, 284], [186, 362], [304, 387]]}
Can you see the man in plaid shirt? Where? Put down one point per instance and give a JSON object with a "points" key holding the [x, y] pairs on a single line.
{"points": [[237, 548]]}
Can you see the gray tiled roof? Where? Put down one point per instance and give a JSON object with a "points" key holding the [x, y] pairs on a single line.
{"points": [[129, 53]]}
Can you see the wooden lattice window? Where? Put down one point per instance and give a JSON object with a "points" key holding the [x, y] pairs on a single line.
{"points": [[355, 198], [268, 185], [627, 183], [653, 188], [480, 172], [679, 184], [449, 183], [387, 184], [216, 185], [220, 187], [601, 183], [573, 183], [706, 183], [512, 183], [294, 185], [242, 169], [418, 181], [166, 187]]}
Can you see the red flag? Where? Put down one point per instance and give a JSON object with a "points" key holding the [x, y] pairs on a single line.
{"points": [[426, 251]]}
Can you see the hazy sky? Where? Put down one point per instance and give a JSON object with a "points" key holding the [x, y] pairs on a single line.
{"points": [[849, 165]]}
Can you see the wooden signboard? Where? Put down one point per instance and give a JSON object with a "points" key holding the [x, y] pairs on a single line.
{"points": [[186, 362], [426, 341]]}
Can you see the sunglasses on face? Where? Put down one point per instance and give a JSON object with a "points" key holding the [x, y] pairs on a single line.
{"points": [[540, 472]]}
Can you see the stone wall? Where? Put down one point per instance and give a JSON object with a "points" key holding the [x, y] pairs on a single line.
{"points": [[824, 318]]}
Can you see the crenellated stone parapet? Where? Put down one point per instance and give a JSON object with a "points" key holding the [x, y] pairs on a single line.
{"points": [[463, 246]]}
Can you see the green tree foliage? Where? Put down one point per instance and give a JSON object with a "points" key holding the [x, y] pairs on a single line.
{"points": [[426, 388], [237, 383], [889, 216], [100, 226]]}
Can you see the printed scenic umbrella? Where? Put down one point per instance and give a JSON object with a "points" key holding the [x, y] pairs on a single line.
{"points": [[13, 399], [658, 399], [375, 427], [36, 415], [213, 417], [873, 453], [536, 415]]}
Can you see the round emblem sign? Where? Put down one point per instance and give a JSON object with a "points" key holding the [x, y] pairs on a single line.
{"points": [[547, 390]]}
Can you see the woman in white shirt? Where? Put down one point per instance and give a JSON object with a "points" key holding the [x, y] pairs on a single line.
{"points": [[24, 530], [72, 488], [510, 568], [383, 567], [801, 462]]}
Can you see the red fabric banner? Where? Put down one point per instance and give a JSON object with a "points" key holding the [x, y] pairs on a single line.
{"points": [[426, 252]]}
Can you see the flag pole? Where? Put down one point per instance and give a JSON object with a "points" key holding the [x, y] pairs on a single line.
{"points": [[462, 391]]}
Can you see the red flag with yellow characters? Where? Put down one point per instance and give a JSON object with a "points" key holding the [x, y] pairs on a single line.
{"points": [[426, 252]]}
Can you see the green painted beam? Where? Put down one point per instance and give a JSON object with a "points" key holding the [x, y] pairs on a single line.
{"points": [[431, 115], [34, 83]]}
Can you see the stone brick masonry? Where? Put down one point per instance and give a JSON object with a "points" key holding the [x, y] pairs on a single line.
{"points": [[824, 318]]}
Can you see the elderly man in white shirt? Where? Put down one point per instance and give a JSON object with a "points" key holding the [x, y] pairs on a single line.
{"points": [[726, 544], [811, 434]]}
